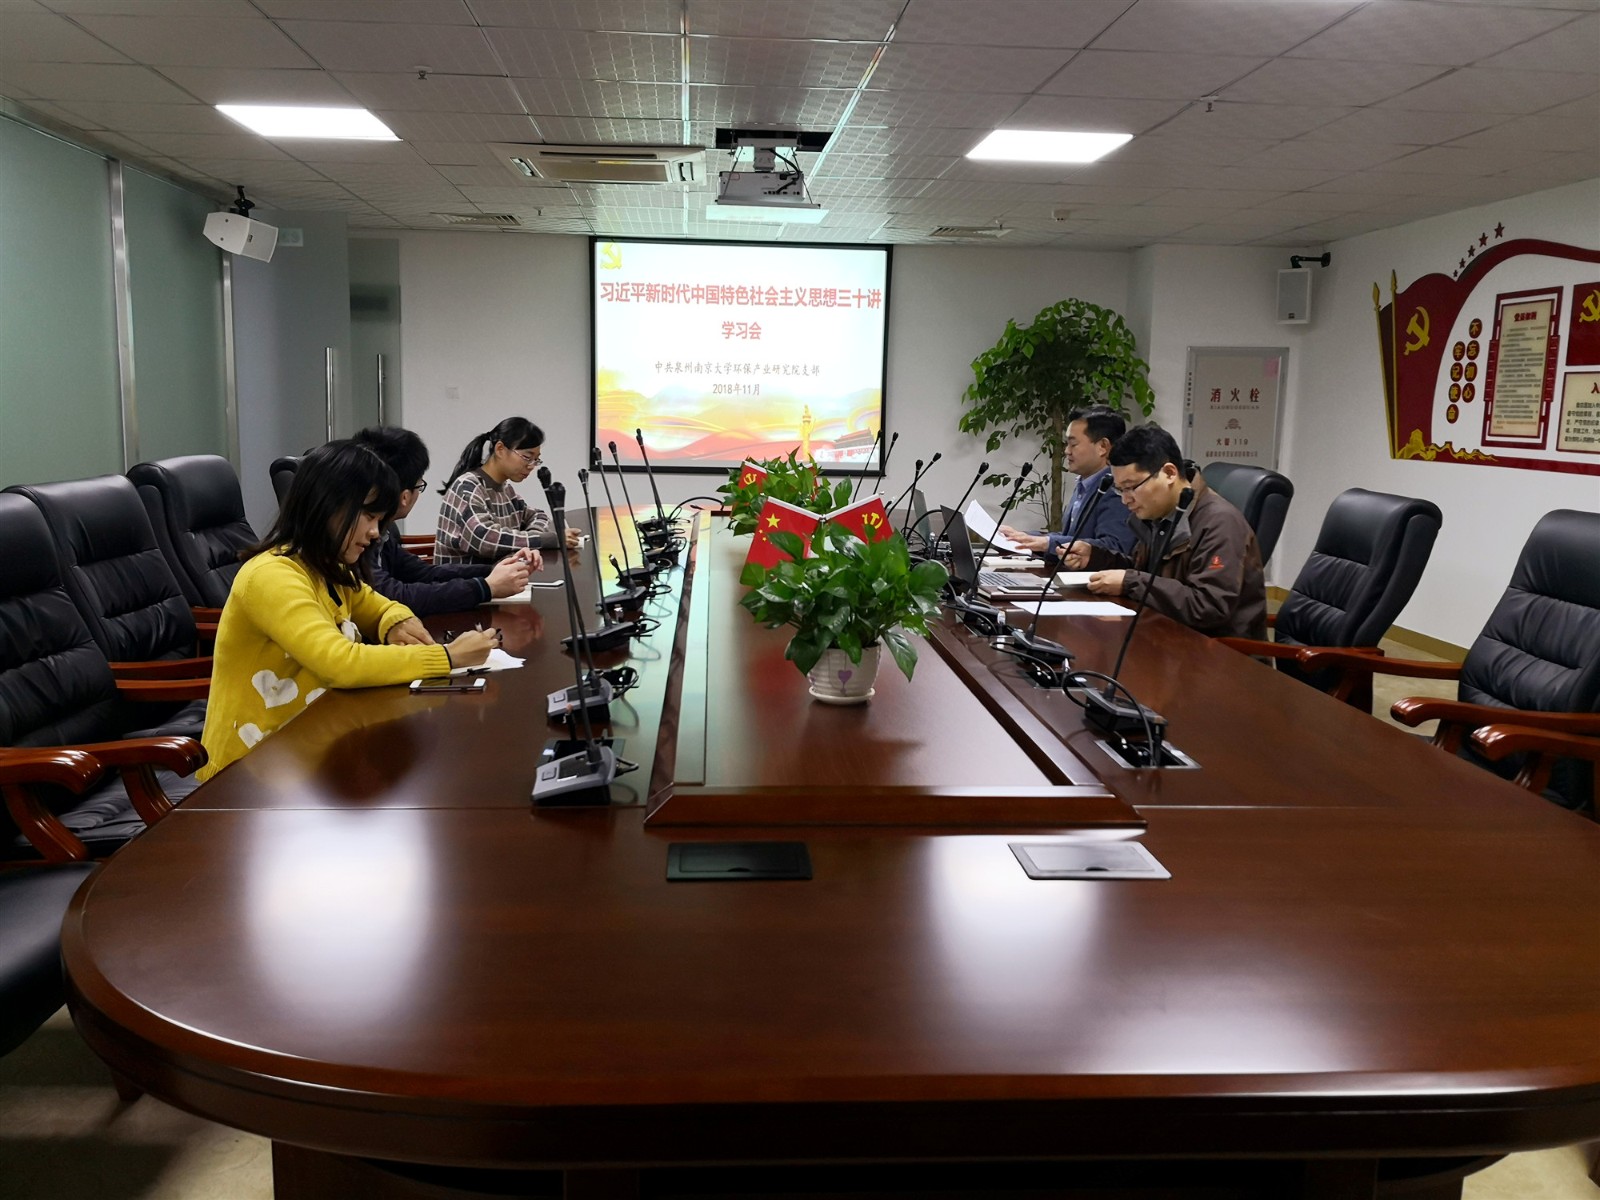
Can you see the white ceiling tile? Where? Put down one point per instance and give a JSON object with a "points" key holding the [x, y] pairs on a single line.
{"points": [[1478, 89], [948, 142], [582, 131], [155, 8], [620, 16], [45, 37], [1253, 120], [412, 12], [966, 68], [638, 197], [198, 41], [352, 46], [1462, 160], [149, 118], [807, 108], [1540, 132], [1008, 22], [1585, 109], [821, 20], [249, 171], [1462, 191], [1225, 235], [777, 64], [1280, 179], [464, 154], [1407, 31], [1552, 172], [319, 150], [363, 174], [1221, 26], [417, 127], [1093, 113], [1305, 153], [1397, 125], [1342, 227], [953, 110], [868, 189], [1148, 75], [564, 54], [290, 196], [884, 166], [506, 196], [1214, 198], [120, 145], [217, 85], [402, 91], [1310, 204], [1572, 47], [599, 98], [476, 176], [1175, 151], [212, 145], [1329, 82], [90, 81]]}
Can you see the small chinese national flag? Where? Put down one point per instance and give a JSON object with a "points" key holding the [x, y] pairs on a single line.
{"points": [[865, 518], [779, 517], [749, 474]]}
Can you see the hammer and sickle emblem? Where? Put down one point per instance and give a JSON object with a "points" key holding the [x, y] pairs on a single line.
{"points": [[610, 257], [1417, 327], [749, 478], [1591, 308], [872, 520]]}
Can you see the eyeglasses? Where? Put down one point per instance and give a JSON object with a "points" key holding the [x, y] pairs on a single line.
{"points": [[420, 485], [1134, 487], [529, 456]]}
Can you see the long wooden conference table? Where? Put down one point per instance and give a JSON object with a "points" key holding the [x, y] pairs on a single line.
{"points": [[1372, 961]]}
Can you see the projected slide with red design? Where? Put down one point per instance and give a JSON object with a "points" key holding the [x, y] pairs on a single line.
{"points": [[723, 352]]}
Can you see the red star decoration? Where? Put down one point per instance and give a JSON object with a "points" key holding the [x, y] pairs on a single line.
{"points": [[1471, 250], [1498, 230], [1483, 239]]}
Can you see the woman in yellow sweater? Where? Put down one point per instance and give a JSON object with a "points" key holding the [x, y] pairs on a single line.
{"points": [[300, 617]]}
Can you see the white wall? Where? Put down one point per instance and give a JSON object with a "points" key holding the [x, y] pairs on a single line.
{"points": [[503, 320], [1338, 439]]}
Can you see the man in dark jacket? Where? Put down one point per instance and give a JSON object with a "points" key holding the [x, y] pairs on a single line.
{"points": [[1090, 436], [423, 587], [1211, 578]]}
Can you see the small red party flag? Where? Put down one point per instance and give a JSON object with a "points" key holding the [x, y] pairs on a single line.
{"points": [[865, 518], [779, 517], [750, 473]]}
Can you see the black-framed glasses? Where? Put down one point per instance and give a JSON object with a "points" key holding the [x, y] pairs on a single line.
{"points": [[1134, 487], [529, 456], [420, 485]]}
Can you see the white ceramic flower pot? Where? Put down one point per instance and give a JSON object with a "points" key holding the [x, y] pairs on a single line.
{"points": [[837, 680]]}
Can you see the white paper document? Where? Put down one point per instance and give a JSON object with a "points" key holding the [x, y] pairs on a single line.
{"points": [[1075, 608], [526, 594], [1073, 578], [981, 525], [499, 660]]}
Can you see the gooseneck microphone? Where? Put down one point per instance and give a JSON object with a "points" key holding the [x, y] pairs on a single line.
{"points": [[1102, 710], [655, 544], [1043, 648], [609, 635], [659, 521], [877, 441], [983, 469], [916, 478], [626, 597], [1005, 509], [633, 576], [583, 777]]}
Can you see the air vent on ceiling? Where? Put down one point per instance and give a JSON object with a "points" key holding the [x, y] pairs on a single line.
{"points": [[537, 162], [494, 220], [984, 232]]}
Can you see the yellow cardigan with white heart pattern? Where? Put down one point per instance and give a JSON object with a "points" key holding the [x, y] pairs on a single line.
{"points": [[284, 638]]}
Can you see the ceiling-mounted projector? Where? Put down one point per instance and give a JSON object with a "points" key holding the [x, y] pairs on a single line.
{"points": [[774, 189], [236, 233]]}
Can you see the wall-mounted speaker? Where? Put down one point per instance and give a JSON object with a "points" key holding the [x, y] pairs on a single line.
{"points": [[1294, 296]]}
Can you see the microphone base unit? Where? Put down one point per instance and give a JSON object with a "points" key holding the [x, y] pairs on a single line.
{"points": [[655, 538], [1042, 648], [635, 578], [607, 637], [574, 781], [597, 692], [1122, 717], [980, 618], [662, 558], [633, 597]]}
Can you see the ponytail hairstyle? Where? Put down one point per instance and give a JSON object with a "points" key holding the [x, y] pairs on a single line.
{"points": [[333, 485], [515, 433]]}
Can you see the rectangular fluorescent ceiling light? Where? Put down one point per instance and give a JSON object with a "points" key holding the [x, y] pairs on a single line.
{"points": [[783, 214], [1046, 146], [288, 121]]}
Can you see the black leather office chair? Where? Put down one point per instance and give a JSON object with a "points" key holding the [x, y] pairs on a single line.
{"points": [[282, 471], [197, 511], [124, 590], [32, 904], [1263, 497], [1536, 663], [73, 787], [1369, 556]]}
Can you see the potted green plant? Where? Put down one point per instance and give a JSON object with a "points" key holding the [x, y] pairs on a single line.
{"points": [[1072, 355], [789, 479], [846, 601]]}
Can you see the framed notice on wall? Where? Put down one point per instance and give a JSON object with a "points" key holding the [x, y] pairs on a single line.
{"points": [[1231, 404]]}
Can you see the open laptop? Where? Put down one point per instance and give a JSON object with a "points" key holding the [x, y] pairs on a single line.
{"points": [[964, 566]]}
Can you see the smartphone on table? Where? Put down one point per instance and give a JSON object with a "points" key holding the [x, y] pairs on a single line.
{"points": [[448, 683]]}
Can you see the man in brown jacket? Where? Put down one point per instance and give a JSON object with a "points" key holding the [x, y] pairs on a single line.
{"points": [[1211, 578]]}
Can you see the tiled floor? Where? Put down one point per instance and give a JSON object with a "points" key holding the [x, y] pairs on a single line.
{"points": [[65, 1135]]}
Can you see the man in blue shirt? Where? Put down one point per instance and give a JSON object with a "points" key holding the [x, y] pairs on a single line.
{"points": [[1090, 435]]}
